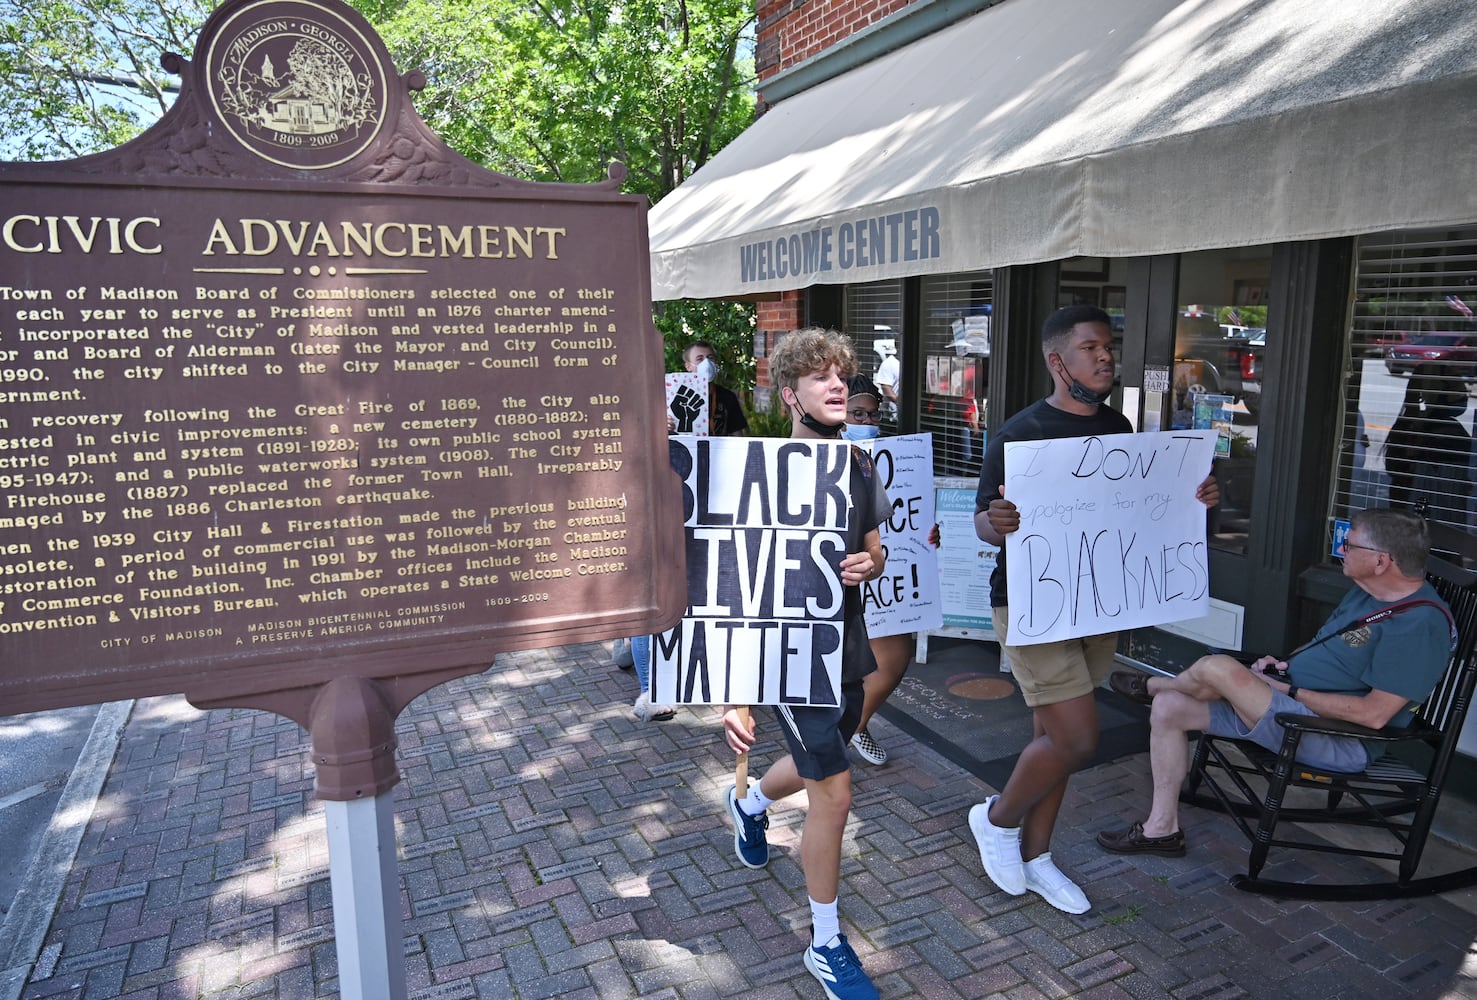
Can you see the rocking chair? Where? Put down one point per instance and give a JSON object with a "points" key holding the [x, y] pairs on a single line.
{"points": [[1397, 793]]}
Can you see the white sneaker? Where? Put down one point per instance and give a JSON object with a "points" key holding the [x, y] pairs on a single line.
{"points": [[1046, 880], [1000, 849], [645, 711]]}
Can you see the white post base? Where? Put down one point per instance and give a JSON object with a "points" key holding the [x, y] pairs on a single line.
{"points": [[365, 880]]}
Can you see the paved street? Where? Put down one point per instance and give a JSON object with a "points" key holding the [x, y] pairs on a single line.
{"points": [[37, 753], [552, 846]]}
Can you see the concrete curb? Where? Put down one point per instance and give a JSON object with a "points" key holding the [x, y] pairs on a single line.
{"points": [[30, 915]]}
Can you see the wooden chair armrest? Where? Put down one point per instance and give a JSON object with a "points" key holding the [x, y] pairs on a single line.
{"points": [[1341, 727]]}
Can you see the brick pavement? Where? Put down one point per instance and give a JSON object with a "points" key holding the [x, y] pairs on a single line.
{"points": [[552, 846]]}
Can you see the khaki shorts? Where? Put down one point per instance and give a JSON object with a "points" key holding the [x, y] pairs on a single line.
{"points": [[1053, 672]]}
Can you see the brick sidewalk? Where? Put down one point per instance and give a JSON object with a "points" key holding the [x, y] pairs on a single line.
{"points": [[552, 846]]}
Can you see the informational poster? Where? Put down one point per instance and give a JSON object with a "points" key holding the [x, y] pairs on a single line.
{"points": [[905, 598], [766, 527], [1111, 535], [1213, 413], [687, 401], [965, 562]]}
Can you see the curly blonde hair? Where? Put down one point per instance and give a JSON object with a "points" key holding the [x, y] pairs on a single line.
{"points": [[801, 352]]}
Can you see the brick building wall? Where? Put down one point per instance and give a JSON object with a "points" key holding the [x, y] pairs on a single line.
{"points": [[791, 31], [773, 319]]}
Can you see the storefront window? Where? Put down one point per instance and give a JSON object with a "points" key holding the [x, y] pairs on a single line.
{"points": [[1220, 336], [956, 355], [1408, 421], [874, 323]]}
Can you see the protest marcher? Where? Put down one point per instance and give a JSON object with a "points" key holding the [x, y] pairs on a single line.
{"points": [[621, 654], [1013, 829], [809, 369], [635, 653], [725, 412], [643, 709], [892, 652], [1377, 656]]}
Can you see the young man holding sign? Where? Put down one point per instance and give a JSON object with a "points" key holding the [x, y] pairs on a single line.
{"points": [[809, 369], [1057, 679]]}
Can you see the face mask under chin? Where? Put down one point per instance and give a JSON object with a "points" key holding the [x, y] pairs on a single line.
{"points": [[1080, 392], [824, 430], [1083, 394], [811, 423]]}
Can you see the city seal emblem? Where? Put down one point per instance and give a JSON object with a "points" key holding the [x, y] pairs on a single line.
{"points": [[298, 84]]}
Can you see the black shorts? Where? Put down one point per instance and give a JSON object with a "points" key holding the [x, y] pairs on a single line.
{"points": [[818, 736]]}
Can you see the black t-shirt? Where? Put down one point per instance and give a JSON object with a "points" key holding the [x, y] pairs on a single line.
{"points": [[869, 508], [1038, 422], [727, 416]]}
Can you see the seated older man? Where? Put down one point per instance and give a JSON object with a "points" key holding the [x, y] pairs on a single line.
{"points": [[1377, 657]]}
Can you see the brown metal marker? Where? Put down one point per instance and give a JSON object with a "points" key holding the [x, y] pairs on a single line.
{"points": [[312, 414]]}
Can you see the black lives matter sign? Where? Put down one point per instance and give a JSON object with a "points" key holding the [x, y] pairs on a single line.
{"points": [[766, 527], [289, 389]]}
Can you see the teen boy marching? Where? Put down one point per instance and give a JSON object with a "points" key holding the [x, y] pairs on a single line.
{"points": [[810, 368]]}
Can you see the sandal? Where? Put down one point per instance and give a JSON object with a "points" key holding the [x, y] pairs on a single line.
{"points": [[645, 711]]}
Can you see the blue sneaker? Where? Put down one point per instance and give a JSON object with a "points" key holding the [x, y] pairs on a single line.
{"points": [[840, 971], [748, 833]]}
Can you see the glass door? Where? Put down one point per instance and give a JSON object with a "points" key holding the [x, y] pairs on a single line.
{"points": [[1215, 373]]}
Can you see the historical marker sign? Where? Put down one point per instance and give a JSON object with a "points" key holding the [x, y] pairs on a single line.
{"points": [[290, 391]]}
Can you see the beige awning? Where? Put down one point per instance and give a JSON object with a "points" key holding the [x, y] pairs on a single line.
{"points": [[1044, 129]]}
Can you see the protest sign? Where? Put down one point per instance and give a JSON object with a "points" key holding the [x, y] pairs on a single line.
{"points": [[1111, 535], [687, 401], [766, 532], [905, 598]]}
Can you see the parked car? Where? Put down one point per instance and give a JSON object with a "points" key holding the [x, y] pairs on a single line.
{"points": [[1454, 350], [1375, 345], [1230, 356]]}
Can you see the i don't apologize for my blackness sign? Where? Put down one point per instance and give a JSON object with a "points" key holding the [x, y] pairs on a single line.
{"points": [[766, 528], [1111, 534]]}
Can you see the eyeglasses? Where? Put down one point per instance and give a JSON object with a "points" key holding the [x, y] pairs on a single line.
{"points": [[1366, 548], [863, 415]]}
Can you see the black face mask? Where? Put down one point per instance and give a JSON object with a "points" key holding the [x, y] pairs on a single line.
{"points": [[824, 430], [1082, 393]]}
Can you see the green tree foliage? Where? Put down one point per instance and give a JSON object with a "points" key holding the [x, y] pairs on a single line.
{"points": [[728, 326], [550, 90], [772, 421], [83, 75], [554, 90]]}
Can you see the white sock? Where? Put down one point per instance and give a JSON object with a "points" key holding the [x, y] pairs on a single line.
{"points": [[755, 802], [825, 922]]}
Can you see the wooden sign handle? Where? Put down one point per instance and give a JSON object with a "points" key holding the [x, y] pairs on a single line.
{"points": [[741, 766]]}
